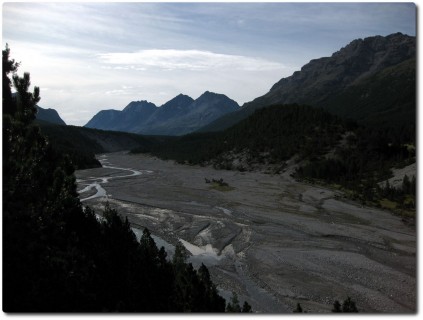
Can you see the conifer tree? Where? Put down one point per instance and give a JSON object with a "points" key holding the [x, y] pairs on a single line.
{"points": [[348, 306], [336, 307], [233, 305], [298, 309], [246, 308], [9, 67]]}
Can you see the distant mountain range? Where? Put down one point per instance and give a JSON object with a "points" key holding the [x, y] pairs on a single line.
{"points": [[179, 116], [49, 115], [370, 80]]}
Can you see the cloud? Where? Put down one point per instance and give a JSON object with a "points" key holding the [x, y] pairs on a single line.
{"points": [[125, 90], [93, 56], [193, 60]]}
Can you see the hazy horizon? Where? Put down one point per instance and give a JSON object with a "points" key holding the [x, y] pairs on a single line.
{"points": [[86, 57]]}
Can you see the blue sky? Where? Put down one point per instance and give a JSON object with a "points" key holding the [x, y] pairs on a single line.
{"points": [[86, 57]]}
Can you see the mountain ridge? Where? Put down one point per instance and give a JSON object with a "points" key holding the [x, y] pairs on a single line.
{"points": [[178, 116], [359, 59], [324, 79]]}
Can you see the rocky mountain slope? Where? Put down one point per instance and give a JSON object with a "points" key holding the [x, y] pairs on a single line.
{"points": [[179, 116], [361, 77], [133, 115], [49, 115]]}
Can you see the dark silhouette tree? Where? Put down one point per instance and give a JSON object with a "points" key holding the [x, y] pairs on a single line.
{"points": [[246, 308], [233, 305], [9, 67], [336, 306], [298, 309], [25, 101], [348, 306]]}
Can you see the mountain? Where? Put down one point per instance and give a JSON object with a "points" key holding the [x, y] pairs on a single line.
{"points": [[207, 108], [133, 115], [166, 114], [357, 81], [388, 98], [49, 115], [104, 119], [179, 116], [172, 109]]}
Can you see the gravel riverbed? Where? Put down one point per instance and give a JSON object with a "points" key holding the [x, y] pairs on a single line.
{"points": [[275, 241]]}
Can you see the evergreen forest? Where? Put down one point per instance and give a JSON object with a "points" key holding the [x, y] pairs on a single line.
{"points": [[82, 144]]}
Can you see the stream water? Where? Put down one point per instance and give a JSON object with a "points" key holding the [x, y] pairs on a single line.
{"points": [[95, 182], [95, 188], [199, 255]]}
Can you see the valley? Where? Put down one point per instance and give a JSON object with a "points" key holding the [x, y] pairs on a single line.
{"points": [[274, 241], [209, 158]]}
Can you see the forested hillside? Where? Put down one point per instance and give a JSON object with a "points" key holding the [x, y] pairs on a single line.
{"points": [[385, 99], [363, 159], [82, 144], [59, 256], [69, 141], [272, 134]]}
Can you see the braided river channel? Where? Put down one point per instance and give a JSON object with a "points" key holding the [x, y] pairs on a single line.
{"points": [[274, 241]]}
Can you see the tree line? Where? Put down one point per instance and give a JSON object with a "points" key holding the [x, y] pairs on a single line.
{"points": [[272, 134]]}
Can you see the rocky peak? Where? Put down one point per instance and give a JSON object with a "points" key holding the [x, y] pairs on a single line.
{"points": [[208, 96], [49, 115], [180, 101], [359, 59], [217, 100], [379, 51], [135, 106]]}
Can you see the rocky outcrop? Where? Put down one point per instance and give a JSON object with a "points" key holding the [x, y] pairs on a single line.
{"points": [[322, 78]]}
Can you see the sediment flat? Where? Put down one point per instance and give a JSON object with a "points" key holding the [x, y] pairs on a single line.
{"points": [[274, 241]]}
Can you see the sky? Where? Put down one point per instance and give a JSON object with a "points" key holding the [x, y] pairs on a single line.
{"points": [[87, 57]]}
